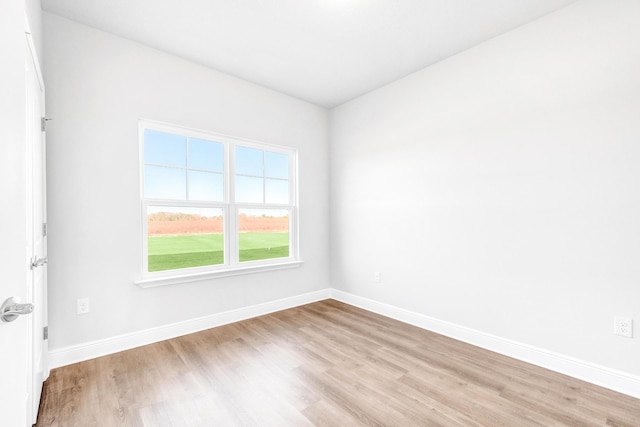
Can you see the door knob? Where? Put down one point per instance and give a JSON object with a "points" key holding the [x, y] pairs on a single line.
{"points": [[11, 309]]}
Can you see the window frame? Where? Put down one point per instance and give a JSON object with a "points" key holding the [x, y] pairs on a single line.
{"points": [[230, 209]]}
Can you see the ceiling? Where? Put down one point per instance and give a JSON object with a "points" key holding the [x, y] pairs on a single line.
{"points": [[322, 51]]}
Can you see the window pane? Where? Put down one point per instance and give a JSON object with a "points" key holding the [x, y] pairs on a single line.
{"points": [[249, 161], [276, 165], [207, 155], [276, 191], [206, 186], [184, 237], [264, 234], [164, 183], [165, 148], [249, 189]]}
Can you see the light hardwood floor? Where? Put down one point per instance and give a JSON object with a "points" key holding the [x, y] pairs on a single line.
{"points": [[324, 364]]}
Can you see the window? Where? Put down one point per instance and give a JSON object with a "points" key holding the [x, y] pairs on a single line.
{"points": [[214, 205]]}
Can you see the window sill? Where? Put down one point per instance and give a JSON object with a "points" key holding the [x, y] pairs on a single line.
{"points": [[153, 282]]}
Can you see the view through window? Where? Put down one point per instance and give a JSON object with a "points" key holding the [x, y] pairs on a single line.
{"points": [[212, 202]]}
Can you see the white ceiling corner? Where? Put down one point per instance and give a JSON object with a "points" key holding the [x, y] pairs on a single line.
{"points": [[323, 51]]}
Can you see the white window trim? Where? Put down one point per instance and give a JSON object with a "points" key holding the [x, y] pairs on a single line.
{"points": [[231, 265], [195, 277]]}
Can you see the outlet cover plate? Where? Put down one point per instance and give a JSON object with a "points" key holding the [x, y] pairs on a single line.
{"points": [[623, 326], [83, 306]]}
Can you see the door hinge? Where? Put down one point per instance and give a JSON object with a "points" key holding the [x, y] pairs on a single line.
{"points": [[44, 229], [43, 123], [45, 333]]}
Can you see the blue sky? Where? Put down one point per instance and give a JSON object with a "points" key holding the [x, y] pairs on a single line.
{"points": [[172, 161]]}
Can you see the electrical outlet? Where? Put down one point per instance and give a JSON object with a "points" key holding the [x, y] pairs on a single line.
{"points": [[623, 326], [376, 277], [83, 305]]}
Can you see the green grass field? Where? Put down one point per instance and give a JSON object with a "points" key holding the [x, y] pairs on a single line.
{"points": [[197, 250]]}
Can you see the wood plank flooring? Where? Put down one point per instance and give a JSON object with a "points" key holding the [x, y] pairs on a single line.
{"points": [[322, 364]]}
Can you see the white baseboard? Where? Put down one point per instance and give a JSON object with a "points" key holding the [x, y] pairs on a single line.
{"points": [[600, 375], [605, 377], [78, 353]]}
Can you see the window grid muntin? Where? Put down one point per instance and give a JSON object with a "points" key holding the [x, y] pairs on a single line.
{"points": [[187, 168], [264, 177]]}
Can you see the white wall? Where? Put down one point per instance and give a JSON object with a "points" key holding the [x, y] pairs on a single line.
{"points": [[500, 189], [98, 87]]}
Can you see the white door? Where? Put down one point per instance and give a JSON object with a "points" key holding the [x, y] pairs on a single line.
{"points": [[15, 248], [36, 199]]}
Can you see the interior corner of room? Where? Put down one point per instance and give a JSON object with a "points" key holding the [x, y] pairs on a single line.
{"points": [[492, 197]]}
